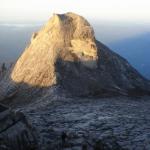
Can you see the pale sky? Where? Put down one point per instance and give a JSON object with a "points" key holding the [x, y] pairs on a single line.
{"points": [[41, 10]]}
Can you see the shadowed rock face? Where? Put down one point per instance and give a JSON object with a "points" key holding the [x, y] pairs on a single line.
{"points": [[113, 75], [66, 54]]}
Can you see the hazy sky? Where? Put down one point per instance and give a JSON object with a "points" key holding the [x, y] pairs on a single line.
{"points": [[41, 10]]}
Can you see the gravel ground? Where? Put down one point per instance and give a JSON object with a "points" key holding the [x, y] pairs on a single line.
{"points": [[111, 123]]}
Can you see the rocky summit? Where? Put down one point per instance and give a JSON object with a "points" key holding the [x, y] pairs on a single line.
{"points": [[68, 38]]}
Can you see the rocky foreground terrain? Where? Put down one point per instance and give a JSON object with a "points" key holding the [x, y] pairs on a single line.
{"points": [[98, 124], [56, 123]]}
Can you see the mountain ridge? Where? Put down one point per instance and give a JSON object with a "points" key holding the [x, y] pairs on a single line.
{"points": [[66, 55]]}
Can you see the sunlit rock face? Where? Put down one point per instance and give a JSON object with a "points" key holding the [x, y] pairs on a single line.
{"points": [[68, 37]]}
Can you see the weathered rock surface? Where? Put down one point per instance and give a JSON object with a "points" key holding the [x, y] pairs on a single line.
{"points": [[108, 123], [15, 132]]}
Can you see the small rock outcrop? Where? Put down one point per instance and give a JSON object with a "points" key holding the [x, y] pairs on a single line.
{"points": [[66, 54], [3, 71], [15, 132]]}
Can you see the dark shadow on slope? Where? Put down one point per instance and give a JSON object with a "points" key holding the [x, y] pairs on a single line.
{"points": [[113, 76]]}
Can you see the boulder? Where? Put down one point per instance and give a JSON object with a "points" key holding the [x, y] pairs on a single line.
{"points": [[15, 132]]}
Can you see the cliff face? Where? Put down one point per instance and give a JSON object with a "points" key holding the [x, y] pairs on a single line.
{"points": [[66, 54], [68, 37]]}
